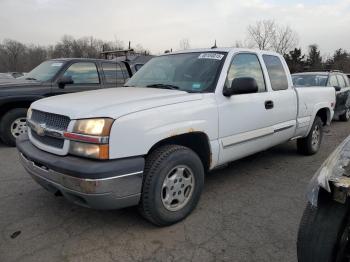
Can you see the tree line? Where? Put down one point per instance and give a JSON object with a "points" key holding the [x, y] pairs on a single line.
{"points": [[265, 34], [18, 57]]}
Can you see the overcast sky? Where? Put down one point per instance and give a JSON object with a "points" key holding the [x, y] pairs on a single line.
{"points": [[160, 24]]}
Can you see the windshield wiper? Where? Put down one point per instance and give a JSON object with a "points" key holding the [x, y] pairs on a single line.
{"points": [[165, 86], [30, 78]]}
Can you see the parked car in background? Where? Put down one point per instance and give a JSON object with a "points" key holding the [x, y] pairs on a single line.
{"points": [[334, 78], [181, 115], [54, 77], [324, 232], [5, 77]]}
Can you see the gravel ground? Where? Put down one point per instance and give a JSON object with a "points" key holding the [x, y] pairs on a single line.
{"points": [[249, 211]]}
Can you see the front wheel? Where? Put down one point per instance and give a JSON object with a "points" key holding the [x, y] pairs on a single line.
{"points": [[346, 116], [12, 125], [324, 233], [310, 145], [173, 182]]}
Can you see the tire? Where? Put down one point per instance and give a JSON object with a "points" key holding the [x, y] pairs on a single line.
{"points": [[322, 232], [346, 116], [13, 120], [161, 182], [310, 145]]}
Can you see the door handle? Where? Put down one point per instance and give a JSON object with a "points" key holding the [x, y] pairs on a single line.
{"points": [[268, 104]]}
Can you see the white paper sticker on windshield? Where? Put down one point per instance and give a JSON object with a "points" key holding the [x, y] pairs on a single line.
{"points": [[211, 56], [57, 64]]}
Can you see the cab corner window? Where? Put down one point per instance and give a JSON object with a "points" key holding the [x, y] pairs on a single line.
{"points": [[83, 73], [246, 65], [341, 81], [276, 72], [333, 81]]}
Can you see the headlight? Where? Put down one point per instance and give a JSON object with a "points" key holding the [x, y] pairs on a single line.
{"points": [[90, 138], [89, 150], [95, 127], [29, 113]]}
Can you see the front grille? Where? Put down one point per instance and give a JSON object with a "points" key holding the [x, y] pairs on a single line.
{"points": [[54, 121], [48, 140], [51, 121]]}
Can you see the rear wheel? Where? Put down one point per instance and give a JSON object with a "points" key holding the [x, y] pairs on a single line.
{"points": [[324, 233], [346, 116], [12, 125], [173, 182], [310, 145]]}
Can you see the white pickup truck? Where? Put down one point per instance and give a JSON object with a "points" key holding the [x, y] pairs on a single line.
{"points": [[181, 115]]}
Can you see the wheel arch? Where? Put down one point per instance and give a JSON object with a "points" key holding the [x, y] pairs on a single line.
{"points": [[197, 141], [325, 115]]}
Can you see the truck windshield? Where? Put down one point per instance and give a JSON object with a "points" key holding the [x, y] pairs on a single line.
{"points": [[190, 72], [45, 71], [310, 80]]}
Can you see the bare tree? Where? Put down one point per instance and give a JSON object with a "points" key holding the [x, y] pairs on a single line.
{"points": [[268, 35], [262, 34], [12, 52], [185, 44], [285, 40], [141, 50], [243, 44]]}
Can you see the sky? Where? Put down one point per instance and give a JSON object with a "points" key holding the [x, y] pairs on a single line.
{"points": [[160, 24]]}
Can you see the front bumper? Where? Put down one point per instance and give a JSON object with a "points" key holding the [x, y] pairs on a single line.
{"points": [[96, 184]]}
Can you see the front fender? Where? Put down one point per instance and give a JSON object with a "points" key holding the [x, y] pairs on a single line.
{"points": [[12, 99], [135, 134]]}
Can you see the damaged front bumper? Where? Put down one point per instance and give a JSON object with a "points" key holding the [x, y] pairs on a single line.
{"points": [[334, 171]]}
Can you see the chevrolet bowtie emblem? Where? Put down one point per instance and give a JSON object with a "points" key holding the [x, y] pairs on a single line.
{"points": [[40, 129]]}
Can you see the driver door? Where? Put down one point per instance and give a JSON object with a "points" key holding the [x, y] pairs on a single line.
{"points": [[245, 120]]}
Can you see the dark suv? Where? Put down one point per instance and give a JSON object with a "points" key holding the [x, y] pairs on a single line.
{"points": [[338, 80], [55, 77]]}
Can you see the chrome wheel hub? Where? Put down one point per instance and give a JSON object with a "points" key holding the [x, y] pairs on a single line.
{"points": [[315, 140], [347, 113], [19, 126], [177, 188]]}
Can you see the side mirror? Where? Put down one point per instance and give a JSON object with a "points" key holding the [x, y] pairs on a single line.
{"points": [[241, 85], [65, 80], [337, 88]]}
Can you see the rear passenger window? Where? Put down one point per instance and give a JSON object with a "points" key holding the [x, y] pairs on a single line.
{"points": [[246, 65], [341, 81], [333, 81], [276, 72], [113, 73]]}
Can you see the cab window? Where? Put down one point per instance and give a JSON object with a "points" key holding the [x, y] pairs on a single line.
{"points": [[341, 81], [246, 65], [276, 72], [83, 73], [333, 81]]}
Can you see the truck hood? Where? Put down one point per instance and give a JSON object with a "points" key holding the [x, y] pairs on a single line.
{"points": [[112, 102]]}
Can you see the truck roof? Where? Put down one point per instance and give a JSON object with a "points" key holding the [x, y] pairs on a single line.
{"points": [[223, 49]]}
